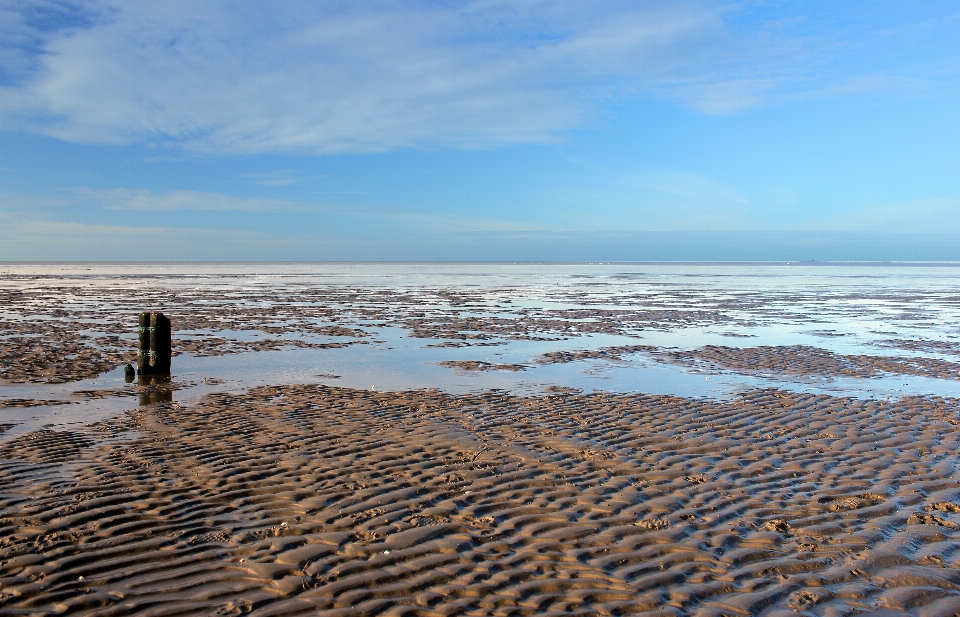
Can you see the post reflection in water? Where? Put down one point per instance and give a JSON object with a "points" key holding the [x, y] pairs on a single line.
{"points": [[154, 389]]}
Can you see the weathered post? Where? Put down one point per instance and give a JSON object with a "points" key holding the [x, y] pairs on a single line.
{"points": [[153, 357]]}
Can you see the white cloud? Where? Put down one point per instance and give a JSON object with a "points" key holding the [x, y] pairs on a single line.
{"points": [[279, 177], [327, 78], [141, 199]]}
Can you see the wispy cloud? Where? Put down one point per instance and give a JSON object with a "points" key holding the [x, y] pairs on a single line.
{"points": [[279, 177], [141, 199], [916, 216], [35, 229], [13, 201], [215, 76], [647, 200], [24, 237], [654, 200], [47, 209], [144, 200]]}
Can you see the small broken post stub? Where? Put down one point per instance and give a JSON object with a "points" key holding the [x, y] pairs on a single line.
{"points": [[153, 356]]}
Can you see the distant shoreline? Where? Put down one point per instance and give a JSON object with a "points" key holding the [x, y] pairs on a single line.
{"points": [[944, 263]]}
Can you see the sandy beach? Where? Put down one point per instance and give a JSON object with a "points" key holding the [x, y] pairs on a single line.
{"points": [[286, 500], [317, 498]]}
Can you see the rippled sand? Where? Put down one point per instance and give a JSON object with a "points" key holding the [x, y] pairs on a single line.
{"points": [[286, 500]]}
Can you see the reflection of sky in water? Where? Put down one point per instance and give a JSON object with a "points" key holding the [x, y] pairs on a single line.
{"points": [[842, 308]]}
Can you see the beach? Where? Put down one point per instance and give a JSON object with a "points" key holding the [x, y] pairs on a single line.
{"points": [[475, 440]]}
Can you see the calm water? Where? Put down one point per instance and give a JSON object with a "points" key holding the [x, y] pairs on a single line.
{"points": [[845, 308]]}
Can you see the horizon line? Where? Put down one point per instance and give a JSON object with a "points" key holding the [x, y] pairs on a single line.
{"points": [[490, 262]]}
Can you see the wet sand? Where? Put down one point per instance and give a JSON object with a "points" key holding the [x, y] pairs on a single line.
{"points": [[307, 499], [480, 365], [289, 500], [811, 361], [59, 328], [775, 361]]}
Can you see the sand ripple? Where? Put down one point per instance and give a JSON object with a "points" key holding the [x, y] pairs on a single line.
{"points": [[812, 361], [772, 361], [289, 500]]}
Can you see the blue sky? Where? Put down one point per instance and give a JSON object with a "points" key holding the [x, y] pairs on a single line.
{"points": [[485, 130]]}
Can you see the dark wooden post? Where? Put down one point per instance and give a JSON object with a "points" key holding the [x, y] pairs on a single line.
{"points": [[143, 349], [160, 342], [153, 357]]}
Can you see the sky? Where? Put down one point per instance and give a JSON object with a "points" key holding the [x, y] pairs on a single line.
{"points": [[536, 130]]}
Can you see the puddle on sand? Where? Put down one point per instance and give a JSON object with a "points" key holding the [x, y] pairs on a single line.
{"points": [[507, 314]]}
